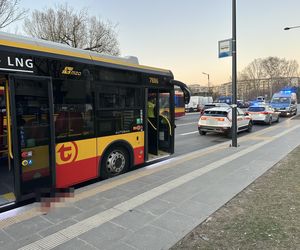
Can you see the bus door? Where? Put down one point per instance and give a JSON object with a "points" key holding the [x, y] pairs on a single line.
{"points": [[165, 121], [7, 194], [160, 117], [33, 145], [152, 122]]}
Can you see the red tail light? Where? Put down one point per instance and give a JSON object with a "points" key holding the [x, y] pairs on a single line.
{"points": [[265, 113]]}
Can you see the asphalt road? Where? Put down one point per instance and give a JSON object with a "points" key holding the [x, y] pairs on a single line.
{"points": [[187, 138]]}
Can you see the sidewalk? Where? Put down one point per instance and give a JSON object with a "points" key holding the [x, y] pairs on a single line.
{"points": [[152, 207], [265, 215]]}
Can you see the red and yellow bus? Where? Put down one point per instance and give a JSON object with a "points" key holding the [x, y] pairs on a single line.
{"points": [[72, 115], [179, 104]]}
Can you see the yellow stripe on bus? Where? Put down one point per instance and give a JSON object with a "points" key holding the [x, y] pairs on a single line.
{"points": [[76, 54], [43, 49], [135, 139], [68, 152]]}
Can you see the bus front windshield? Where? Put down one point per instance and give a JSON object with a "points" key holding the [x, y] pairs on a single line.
{"points": [[281, 100]]}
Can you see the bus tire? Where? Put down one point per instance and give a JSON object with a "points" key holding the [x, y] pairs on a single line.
{"points": [[114, 162]]}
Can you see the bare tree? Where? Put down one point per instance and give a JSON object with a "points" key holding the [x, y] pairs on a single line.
{"points": [[10, 12], [270, 69], [275, 68], [254, 72], [75, 29]]}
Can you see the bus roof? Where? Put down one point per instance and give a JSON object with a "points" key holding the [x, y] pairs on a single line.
{"points": [[49, 47]]}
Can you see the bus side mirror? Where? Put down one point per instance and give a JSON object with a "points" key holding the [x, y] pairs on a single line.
{"points": [[184, 89]]}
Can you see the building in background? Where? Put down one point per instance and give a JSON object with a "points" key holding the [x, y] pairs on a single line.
{"points": [[197, 89], [250, 89]]}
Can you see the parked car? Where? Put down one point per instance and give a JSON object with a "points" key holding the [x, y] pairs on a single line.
{"points": [[219, 120], [213, 105], [263, 113]]}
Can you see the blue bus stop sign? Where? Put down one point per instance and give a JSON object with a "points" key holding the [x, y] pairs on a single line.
{"points": [[225, 48]]}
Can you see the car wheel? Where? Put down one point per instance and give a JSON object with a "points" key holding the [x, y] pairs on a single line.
{"points": [[296, 112], [114, 162], [270, 121], [202, 132], [249, 127], [277, 119]]}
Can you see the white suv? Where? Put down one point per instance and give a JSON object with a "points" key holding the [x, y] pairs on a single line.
{"points": [[219, 120]]}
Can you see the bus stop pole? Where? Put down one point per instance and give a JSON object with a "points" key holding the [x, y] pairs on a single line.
{"points": [[234, 95]]}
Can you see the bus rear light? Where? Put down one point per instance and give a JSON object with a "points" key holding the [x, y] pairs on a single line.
{"points": [[203, 118], [220, 119]]}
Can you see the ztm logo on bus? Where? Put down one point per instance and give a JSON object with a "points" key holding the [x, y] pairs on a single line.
{"points": [[66, 152]]}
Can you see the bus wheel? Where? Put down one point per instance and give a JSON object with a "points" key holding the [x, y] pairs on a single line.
{"points": [[115, 162]]}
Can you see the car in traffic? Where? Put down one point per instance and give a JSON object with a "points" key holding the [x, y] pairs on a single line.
{"points": [[285, 102], [263, 113], [219, 120], [213, 105], [242, 104]]}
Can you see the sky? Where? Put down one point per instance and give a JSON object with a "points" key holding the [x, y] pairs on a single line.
{"points": [[183, 35]]}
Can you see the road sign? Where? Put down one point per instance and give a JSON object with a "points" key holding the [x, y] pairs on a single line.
{"points": [[225, 48]]}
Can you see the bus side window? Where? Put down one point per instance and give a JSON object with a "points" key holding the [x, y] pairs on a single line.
{"points": [[118, 109], [74, 118]]}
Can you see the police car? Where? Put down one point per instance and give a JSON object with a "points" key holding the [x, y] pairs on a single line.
{"points": [[219, 120], [261, 112]]}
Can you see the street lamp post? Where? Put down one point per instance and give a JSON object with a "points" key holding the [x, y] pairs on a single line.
{"points": [[207, 81], [234, 76], [292, 27]]}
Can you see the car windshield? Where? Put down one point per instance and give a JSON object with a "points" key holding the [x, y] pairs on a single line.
{"points": [[281, 100], [209, 106], [256, 109], [215, 113]]}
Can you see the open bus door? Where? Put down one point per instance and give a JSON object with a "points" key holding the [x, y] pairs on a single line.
{"points": [[7, 194], [160, 123], [32, 144]]}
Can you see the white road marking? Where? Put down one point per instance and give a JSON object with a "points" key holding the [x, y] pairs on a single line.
{"points": [[194, 132], [71, 232], [184, 124]]}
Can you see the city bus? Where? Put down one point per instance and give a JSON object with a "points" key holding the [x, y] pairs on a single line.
{"points": [[179, 104], [71, 115]]}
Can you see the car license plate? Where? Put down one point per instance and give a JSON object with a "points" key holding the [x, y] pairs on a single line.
{"points": [[212, 121]]}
